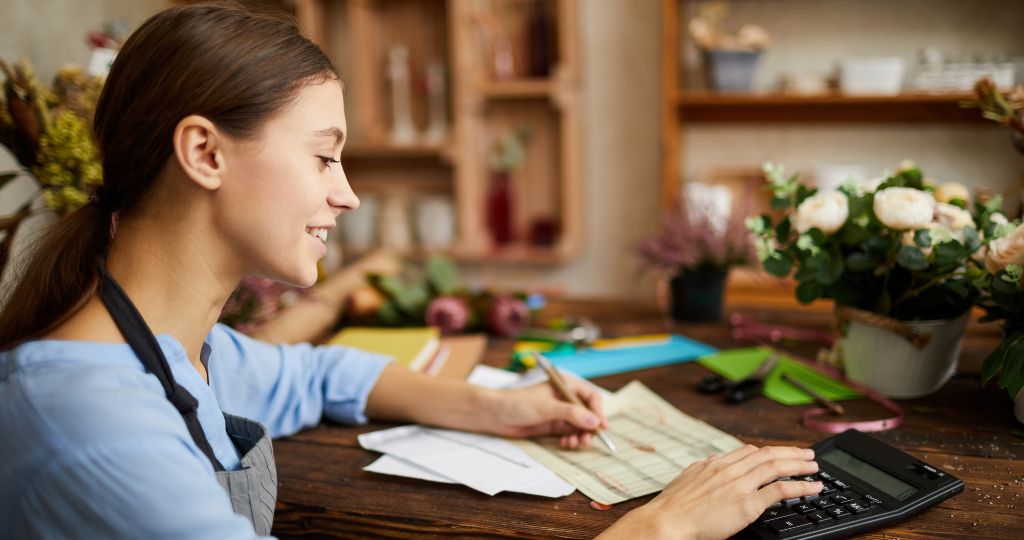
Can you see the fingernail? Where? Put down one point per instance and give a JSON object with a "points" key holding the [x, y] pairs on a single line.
{"points": [[809, 453], [591, 421]]}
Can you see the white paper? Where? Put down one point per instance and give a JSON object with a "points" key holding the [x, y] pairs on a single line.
{"points": [[492, 377], [487, 464], [392, 465]]}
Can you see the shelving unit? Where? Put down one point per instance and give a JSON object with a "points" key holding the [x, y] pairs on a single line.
{"points": [[358, 34], [683, 106]]}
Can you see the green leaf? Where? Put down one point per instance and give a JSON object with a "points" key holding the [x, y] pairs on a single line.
{"points": [[818, 236], [808, 291], [780, 203], [853, 234], [779, 264], [949, 254], [783, 229], [971, 240], [1013, 368], [878, 247], [859, 262], [911, 258], [389, 314], [923, 238], [442, 275], [830, 270], [802, 193]]}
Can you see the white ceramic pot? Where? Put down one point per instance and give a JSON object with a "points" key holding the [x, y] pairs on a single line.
{"points": [[871, 75], [887, 362]]}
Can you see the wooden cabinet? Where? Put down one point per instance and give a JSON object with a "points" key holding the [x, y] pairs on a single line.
{"points": [[481, 107]]}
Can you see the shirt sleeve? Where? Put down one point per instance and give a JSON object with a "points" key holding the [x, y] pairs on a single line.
{"points": [[149, 488], [290, 387]]}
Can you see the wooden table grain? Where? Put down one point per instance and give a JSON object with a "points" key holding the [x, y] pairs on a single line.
{"points": [[964, 428]]}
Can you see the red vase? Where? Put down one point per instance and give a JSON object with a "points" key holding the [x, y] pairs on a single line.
{"points": [[499, 208]]}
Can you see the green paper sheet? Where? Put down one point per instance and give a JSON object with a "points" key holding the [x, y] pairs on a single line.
{"points": [[735, 364]]}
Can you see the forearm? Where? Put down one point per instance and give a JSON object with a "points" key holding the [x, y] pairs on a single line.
{"points": [[406, 396]]}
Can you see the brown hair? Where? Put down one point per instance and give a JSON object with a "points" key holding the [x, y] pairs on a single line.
{"points": [[222, 61]]}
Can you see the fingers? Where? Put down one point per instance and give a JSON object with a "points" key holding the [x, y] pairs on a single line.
{"points": [[750, 461], [736, 455], [590, 397], [786, 489], [580, 417]]}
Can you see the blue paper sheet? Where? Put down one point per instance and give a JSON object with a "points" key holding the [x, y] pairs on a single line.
{"points": [[589, 363]]}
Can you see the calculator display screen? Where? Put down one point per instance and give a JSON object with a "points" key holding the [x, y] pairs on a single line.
{"points": [[868, 473]]}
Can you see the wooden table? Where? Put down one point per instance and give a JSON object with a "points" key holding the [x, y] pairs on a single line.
{"points": [[964, 428]]}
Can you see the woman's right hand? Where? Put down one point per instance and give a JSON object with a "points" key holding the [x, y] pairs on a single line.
{"points": [[719, 496]]}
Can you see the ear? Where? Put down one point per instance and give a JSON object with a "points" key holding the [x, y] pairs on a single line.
{"points": [[199, 149]]}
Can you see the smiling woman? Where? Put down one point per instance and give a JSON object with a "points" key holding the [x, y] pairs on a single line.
{"points": [[127, 412]]}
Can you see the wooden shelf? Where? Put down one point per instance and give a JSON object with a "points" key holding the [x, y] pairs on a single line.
{"points": [[517, 89], [719, 107]]}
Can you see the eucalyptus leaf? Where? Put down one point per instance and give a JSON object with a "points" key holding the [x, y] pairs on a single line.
{"points": [[923, 238], [783, 229], [442, 275], [859, 262], [971, 240], [808, 291], [911, 258], [780, 203], [830, 270], [779, 264]]}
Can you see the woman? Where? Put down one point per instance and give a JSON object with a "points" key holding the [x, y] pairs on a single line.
{"points": [[126, 410]]}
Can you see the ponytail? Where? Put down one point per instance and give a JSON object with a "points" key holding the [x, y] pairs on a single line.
{"points": [[59, 277]]}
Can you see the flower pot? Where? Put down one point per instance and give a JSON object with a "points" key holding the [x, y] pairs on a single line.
{"points": [[891, 364], [696, 294], [731, 71]]}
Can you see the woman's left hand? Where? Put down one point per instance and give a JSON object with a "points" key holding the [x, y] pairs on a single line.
{"points": [[535, 411]]}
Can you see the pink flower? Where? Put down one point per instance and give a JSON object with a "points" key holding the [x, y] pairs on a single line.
{"points": [[449, 313], [507, 316]]}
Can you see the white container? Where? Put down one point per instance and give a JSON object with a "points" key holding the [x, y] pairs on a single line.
{"points": [[878, 76], [359, 227], [887, 362], [435, 222]]}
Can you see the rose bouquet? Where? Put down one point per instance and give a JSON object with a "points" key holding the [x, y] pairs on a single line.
{"points": [[899, 248]]}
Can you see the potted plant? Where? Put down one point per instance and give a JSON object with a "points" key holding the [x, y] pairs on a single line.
{"points": [[1002, 293], [896, 257], [693, 250], [730, 59]]}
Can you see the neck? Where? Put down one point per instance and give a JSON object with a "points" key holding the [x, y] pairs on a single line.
{"points": [[177, 282]]}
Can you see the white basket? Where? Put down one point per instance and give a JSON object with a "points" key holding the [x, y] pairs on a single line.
{"points": [[887, 362], [880, 76]]}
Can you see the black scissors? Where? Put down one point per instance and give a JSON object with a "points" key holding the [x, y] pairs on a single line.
{"points": [[743, 389]]}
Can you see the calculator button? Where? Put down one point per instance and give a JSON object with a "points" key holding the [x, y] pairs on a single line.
{"points": [[776, 513], [841, 498], [823, 503], [836, 512], [808, 478], [818, 517], [791, 502], [794, 523], [827, 489], [872, 499], [858, 507], [825, 476], [840, 484], [805, 508]]}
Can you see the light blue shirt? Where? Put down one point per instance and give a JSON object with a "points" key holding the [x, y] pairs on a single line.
{"points": [[91, 448]]}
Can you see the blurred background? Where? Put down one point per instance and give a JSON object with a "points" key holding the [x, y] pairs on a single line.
{"points": [[537, 143]]}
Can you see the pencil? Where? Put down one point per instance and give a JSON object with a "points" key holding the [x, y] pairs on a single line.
{"points": [[832, 406], [559, 385]]}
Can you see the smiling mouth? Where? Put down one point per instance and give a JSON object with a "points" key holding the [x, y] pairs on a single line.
{"points": [[317, 232]]}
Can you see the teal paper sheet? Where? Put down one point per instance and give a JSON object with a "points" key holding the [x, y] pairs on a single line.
{"points": [[589, 363]]}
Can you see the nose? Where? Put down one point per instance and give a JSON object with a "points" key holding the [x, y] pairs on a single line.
{"points": [[341, 197]]}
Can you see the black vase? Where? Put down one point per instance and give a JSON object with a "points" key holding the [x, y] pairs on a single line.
{"points": [[697, 294]]}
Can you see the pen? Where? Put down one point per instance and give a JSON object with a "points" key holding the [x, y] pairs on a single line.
{"points": [[832, 406], [556, 381]]}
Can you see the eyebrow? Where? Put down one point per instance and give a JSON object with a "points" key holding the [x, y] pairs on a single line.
{"points": [[331, 132]]}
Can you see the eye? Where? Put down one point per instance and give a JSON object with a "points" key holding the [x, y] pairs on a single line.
{"points": [[328, 161]]}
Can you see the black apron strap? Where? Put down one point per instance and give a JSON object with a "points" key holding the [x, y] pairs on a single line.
{"points": [[142, 341]]}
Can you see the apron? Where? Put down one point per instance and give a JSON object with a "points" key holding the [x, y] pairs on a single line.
{"points": [[253, 488]]}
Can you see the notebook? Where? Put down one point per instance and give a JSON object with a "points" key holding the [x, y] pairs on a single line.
{"points": [[413, 348]]}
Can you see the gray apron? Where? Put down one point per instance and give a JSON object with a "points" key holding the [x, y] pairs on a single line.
{"points": [[253, 488]]}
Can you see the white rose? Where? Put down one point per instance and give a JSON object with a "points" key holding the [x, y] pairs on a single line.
{"points": [[825, 211], [904, 208], [998, 218], [953, 217], [1006, 250], [951, 191]]}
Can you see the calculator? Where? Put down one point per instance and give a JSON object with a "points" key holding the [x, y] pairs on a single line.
{"points": [[867, 485]]}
